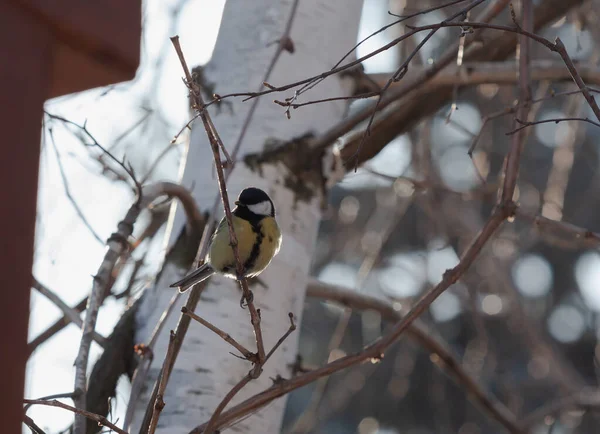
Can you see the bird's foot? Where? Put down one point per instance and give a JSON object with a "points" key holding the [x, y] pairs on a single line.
{"points": [[248, 299]]}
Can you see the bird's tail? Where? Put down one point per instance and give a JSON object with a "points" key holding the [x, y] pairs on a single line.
{"points": [[198, 275]]}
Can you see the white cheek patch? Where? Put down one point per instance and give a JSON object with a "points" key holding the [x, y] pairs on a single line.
{"points": [[261, 208]]}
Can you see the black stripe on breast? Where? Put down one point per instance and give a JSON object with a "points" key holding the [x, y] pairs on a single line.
{"points": [[251, 261]]}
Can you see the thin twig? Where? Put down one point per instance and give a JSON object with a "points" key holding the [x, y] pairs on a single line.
{"points": [[475, 73], [518, 143], [32, 425], [101, 420], [213, 419], [586, 399], [65, 183], [69, 312], [282, 338], [525, 124], [225, 336], [156, 161], [401, 19], [247, 354], [159, 404], [583, 237], [413, 30], [513, 109], [560, 48], [58, 325], [53, 396], [281, 47], [146, 353], [127, 168]]}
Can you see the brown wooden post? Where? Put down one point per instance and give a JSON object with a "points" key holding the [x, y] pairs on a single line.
{"points": [[46, 49]]}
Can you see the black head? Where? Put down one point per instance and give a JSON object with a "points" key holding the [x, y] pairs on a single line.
{"points": [[253, 204]]}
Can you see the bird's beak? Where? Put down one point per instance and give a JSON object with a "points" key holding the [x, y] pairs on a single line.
{"points": [[238, 203]]}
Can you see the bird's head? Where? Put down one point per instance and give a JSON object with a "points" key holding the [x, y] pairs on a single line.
{"points": [[256, 201]]}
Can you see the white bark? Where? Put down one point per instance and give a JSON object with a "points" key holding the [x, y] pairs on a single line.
{"points": [[322, 32]]}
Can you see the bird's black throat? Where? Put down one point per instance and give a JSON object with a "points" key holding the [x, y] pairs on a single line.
{"points": [[244, 212]]}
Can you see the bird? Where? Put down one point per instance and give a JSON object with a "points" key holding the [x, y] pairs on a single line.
{"points": [[258, 235]]}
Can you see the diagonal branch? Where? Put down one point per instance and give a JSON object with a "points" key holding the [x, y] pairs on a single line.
{"points": [[70, 313], [418, 332], [57, 326], [560, 47], [101, 420]]}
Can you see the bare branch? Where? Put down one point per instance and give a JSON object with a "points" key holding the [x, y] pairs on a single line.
{"points": [[518, 142], [225, 336], [58, 325], [420, 334], [282, 338], [560, 47], [475, 73], [68, 190], [84, 130], [117, 245], [526, 124], [586, 399], [70, 313], [213, 419], [102, 421], [32, 425], [159, 404]]}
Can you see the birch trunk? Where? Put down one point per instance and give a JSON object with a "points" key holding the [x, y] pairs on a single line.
{"points": [[322, 32]]}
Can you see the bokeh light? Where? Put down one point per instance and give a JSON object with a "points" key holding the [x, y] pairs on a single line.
{"points": [[587, 275], [491, 304], [457, 169], [446, 307], [440, 258], [465, 123], [532, 275], [566, 324], [553, 134], [405, 275], [394, 159]]}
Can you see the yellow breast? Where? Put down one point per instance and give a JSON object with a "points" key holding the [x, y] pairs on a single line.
{"points": [[256, 246], [271, 243]]}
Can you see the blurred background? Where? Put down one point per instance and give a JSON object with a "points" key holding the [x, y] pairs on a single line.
{"points": [[523, 321]]}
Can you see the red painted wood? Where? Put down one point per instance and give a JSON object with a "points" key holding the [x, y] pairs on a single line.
{"points": [[47, 49]]}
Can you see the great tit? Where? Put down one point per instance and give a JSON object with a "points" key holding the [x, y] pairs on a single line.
{"points": [[258, 236]]}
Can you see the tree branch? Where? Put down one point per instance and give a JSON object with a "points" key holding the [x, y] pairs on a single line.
{"points": [[102, 421], [518, 141], [419, 101], [475, 73], [69, 312], [418, 332], [117, 245]]}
